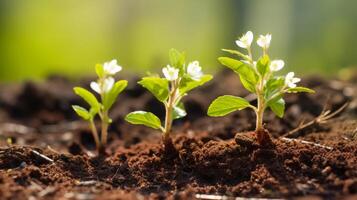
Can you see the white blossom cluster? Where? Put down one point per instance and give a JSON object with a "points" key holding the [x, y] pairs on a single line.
{"points": [[104, 85], [264, 42]]}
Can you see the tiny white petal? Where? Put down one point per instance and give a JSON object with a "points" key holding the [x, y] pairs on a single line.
{"points": [[277, 65], [95, 86], [290, 80], [246, 40], [139, 112], [108, 84], [170, 73], [180, 111], [240, 44], [264, 41], [296, 80], [194, 70], [111, 67]]}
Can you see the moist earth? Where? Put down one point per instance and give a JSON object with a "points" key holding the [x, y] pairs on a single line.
{"points": [[46, 152]]}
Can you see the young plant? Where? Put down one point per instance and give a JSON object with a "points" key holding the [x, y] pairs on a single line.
{"points": [[180, 78], [108, 91], [259, 78]]}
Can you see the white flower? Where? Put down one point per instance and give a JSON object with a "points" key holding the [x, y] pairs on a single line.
{"points": [[290, 80], [276, 65], [111, 67], [264, 41], [246, 40], [194, 70], [170, 73], [104, 87]]}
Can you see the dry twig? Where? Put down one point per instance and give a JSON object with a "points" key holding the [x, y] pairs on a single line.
{"points": [[42, 156], [221, 197], [321, 119], [306, 142]]}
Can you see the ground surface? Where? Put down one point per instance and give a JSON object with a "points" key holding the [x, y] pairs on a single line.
{"points": [[51, 154]]}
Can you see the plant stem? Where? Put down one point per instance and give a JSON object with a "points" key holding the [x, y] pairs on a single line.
{"points": [[104, 136], [168, 121], [259, 113], [169, 107], [250, 55], [263, 137], [95, 135]]}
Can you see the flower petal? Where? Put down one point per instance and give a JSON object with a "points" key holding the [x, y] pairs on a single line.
{"points": [[95, 86], [194, 70], [170, 73]]}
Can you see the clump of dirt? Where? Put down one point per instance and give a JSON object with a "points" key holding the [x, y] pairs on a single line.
{"points": [[50, 156]]}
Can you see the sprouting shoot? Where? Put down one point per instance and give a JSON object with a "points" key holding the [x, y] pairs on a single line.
{"points": [[258, 77], [107, 90]]}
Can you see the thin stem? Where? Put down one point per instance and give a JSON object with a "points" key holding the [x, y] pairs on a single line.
{"points": [[260, 113], [103, 113], [250, 55], [265, 51], [169, 108], [261, 105], [104, 136], [168, 120], [95, 135]]}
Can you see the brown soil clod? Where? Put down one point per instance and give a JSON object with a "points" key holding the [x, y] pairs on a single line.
{"points": [[264, 138], [169, 150], [245, 139]]}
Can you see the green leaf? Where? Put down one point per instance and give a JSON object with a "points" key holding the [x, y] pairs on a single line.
{"points": [[226, 104], [177, 60], [179, 111], [247, 74], [82, 112], [159, 87], [111, 96], [278, 107], [187, 84], [88, 97], [273, 86], [144, 118], [235, 52], [263, 65], [99, 70], [300, 89]]}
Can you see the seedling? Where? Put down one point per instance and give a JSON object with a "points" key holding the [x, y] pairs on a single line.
{"points": [[259, 78], [180, 78], [108, 91]]}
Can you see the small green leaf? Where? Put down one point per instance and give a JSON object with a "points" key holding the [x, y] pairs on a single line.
{"points": [[187, 84], [144, 118], [177, 60], [112, 95], [300, 89], [247, 74], [93, 112], [179, 111], [278, 107], [82, 112], [159, 87], [235, 52], [263, 65], [99, 70], [88, 97], [226, 104], [273, 86]]}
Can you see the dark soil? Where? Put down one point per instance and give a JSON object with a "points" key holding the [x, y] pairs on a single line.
{"points": [[46, 152]]}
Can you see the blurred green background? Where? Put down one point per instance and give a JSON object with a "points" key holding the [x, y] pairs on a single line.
{"points": [[42, 37]]}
